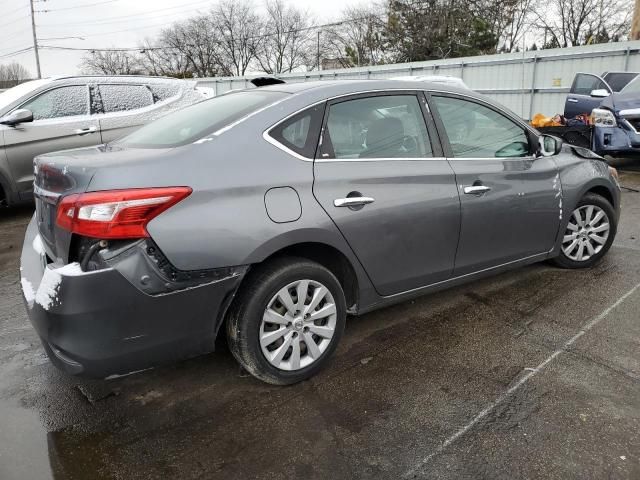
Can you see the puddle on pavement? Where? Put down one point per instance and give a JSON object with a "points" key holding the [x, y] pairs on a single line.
{"points": [[24, 452]]}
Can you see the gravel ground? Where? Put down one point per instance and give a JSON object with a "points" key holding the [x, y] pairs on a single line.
{"points": [[531, 374]]}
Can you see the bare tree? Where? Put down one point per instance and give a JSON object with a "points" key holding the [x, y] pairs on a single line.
{"points": [[12, 74], [508, 19], [164, 61], [238, 30], [287, 41], [577, 22], [110, 62], [358, 38], [192, 46]]}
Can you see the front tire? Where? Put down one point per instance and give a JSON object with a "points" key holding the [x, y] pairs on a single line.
{"points": [[589, 233], [287, 320]]}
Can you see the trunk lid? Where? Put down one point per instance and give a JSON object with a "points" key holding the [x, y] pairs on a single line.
{"points": [[56, 176], [67, 172]]}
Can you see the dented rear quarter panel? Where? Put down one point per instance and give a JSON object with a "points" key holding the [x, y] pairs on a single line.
{"points": [[224, 222]]}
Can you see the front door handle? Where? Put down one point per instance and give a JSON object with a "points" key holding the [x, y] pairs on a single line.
{"points": [[85, 131], [572, 100], [476, 189], [352, 201]]}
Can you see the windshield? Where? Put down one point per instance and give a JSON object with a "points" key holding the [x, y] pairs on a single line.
{"points": [[195, 122], [632, 87], [9, 96]]}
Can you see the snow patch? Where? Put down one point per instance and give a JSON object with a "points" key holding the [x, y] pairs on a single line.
{"points": [[37, 245], [47, 292], [71, 270], [28, 291]]}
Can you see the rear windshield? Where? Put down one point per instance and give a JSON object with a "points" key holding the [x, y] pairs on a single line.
{"points": [[199, 120]]}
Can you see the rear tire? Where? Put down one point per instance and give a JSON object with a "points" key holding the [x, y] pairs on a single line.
{"points": [[286, 320], [589, 233]]}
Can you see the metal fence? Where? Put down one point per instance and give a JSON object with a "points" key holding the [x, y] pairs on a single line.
{"points": [[527, 83]]}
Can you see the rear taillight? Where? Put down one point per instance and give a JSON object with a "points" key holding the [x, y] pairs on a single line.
{"points": [[116, 213]]}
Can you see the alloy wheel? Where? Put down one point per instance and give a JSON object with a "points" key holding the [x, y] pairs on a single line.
{"points": [[298, 325], [586, 233]]}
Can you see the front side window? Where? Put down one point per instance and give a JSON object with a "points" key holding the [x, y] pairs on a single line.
{"points": [[199, 120], [121, 98], [584, 84], [300, 132], [476, 131], [60, 102], [383, 126]]}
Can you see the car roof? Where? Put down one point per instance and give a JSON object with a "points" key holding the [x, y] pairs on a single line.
{"points": [[325, 89], [354, 86], [115, 78]]}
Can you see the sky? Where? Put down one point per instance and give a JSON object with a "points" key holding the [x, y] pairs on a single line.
{"points": [[105, 24]]}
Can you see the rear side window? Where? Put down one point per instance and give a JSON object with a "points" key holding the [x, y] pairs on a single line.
{"points": [[163, 91], [618, 80], [300, 132], [381, 126], [60, 102], [121, 98], [201, 119]]}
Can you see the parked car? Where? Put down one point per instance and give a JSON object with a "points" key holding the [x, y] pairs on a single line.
{"points": [[613, 101], [59, 113], [272, 213]]}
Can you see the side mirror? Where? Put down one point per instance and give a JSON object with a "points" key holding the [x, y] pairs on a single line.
{"points": [[549, 145], [22, 115], [599, 93]]}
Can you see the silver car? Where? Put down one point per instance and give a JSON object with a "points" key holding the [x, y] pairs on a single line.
{"points": [[60, 113], [270, 214]]}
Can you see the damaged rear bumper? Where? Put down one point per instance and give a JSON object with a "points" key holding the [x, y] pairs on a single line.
{"points": [[100, 323]]}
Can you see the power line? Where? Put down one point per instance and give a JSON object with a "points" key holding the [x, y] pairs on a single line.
{"points": [[77, 6], [165, 47], [124, 17], [14, 10], [17, 52]]}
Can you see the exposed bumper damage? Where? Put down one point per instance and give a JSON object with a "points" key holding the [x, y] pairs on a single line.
{"points": [[126, 316], [620, 140]]}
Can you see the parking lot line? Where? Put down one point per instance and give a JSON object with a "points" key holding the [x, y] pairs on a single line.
{"points": [[530, 373]]}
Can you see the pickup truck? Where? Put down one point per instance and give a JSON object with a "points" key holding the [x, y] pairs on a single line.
{"points": [[613, 101]]}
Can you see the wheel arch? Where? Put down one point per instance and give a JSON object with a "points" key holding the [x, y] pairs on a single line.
{"points": [[329, 257], [602, 191]]}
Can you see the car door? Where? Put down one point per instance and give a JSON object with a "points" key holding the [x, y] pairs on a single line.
{"points": [[579, 100], [380, 175], [61, 121], [511, 201], [121, 108]]}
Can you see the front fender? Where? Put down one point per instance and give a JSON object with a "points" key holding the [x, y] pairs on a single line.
{"points": [[579, 176]]}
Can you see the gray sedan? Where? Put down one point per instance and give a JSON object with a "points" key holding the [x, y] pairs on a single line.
{"points": [[59, 113], [272, 213]]}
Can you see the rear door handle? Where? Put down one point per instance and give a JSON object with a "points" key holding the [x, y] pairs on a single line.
{"points": [[572, 100], [85, 131], [476, 189], [352, 201]]}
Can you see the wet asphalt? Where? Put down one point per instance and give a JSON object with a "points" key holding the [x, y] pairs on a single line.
{"points": [[530, 374]]}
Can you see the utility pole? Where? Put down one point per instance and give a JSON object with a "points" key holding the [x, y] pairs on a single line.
{"points": [[635, 22], [35, 39], [318, 53]]}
